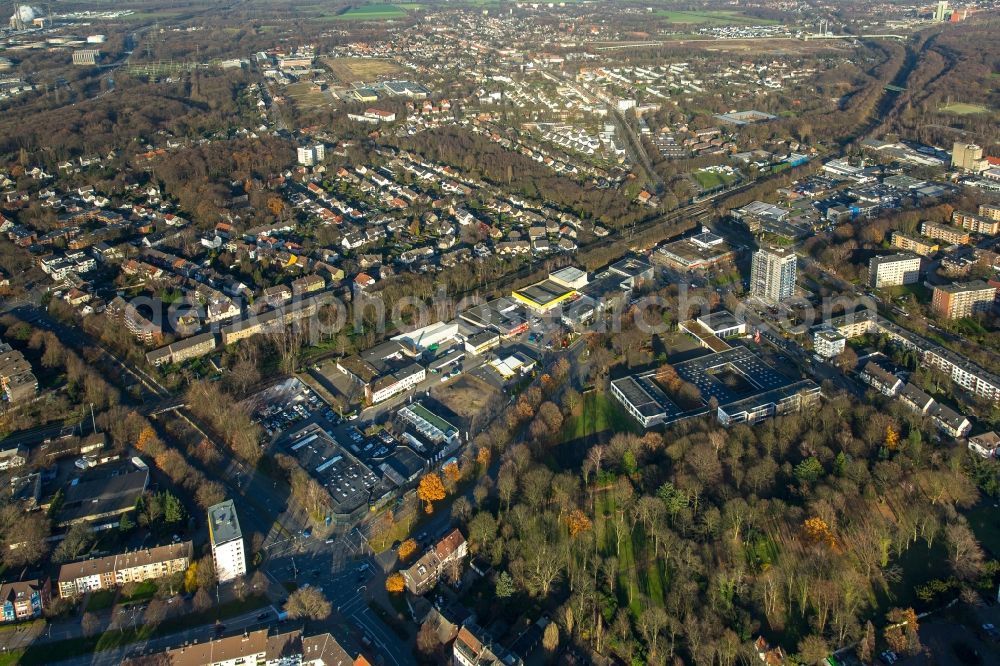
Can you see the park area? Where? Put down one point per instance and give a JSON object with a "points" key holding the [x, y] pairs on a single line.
{"points": [[351, 70]]}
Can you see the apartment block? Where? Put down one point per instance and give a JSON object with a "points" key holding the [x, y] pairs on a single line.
{"points": [[991, 211], [24, 600], [227, 541], [104, 573], [915, 244], [988, 225], [425, 572], [962, 299], [948, 234], [17, 382], [893, 270], [772, 274]]}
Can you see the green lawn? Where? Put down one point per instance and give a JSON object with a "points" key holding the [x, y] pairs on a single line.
{"points": [[639, 573], [963, 109], [372, 13], [599, 414], [709, 180], [710, 17], [101, 599]]}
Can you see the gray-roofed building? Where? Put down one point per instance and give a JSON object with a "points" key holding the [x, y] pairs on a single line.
{"points": [[227, 541]]}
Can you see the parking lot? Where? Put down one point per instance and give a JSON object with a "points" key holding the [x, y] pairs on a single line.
{"points": [[284, 405]]}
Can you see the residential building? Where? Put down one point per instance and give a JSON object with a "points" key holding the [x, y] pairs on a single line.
{"points": [[948, 234], [893, 270], [962, 299], [24, 600], [425, 572], [256, 648], [105, 573], [987, 225], [474, 647], [989, 211], [772, 274], [182, 350], [17, 382], [881, 379], [968, 157], [227, 541], [914, 244], [311, 155], [986, 445], [15, 456], [828, 343], [946, 419]]}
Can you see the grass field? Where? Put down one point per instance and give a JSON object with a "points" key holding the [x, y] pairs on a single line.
{"points": [[349, 70], [301, 94], [710, 17], [372, 13], [709, 180], [639, 573], [962, 109], [599, 414], [983, 521]]}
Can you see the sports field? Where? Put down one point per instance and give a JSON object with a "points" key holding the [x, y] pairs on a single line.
{"points": [[349, 70], [962, 109], [709, 180]]}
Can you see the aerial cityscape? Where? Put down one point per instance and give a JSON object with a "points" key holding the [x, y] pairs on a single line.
{"points": [[491, 332]]}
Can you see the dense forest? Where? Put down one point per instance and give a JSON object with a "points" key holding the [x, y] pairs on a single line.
{"points": [[682, 547]]}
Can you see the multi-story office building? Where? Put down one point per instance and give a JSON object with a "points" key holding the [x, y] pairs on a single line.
{"points": [[893, 270], [962, 299], [772, 274], [227, 541]]}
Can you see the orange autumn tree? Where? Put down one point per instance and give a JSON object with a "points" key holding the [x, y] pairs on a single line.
{"points": [[483, 457], [451, 471], [430, 490], [394, 583], [146, 436], [407, 548], [578, 522], [817, 531], [891, 438]]}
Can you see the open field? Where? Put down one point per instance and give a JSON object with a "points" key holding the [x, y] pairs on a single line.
{"points": [[709, 180], [598, 415], [350, 70], [466, 396], [963, 109], [301, 94], [372, 13], [710, 17]]}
